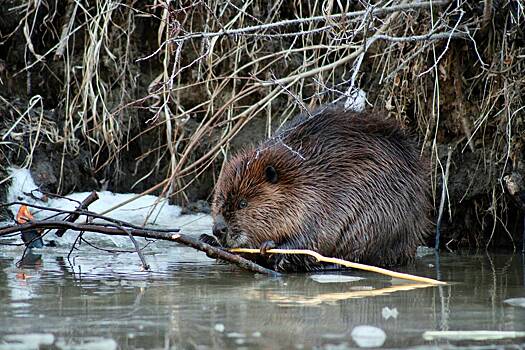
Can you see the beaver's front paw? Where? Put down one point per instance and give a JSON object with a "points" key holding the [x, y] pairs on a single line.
{"points": [[211, 240], [267, 245], [292, 263]]}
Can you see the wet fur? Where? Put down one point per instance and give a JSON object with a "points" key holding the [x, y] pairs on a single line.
{"points": [[350, 185]]}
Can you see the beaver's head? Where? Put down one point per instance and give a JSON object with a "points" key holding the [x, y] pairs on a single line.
{"points": [[255, 199]]}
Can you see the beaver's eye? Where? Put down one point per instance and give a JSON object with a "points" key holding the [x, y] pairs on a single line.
{"points": [[243, 204]]}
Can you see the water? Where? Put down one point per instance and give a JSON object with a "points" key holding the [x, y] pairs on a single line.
{"points": [[105, 301]]}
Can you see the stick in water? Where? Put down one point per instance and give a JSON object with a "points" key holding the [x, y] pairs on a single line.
{"points": [[120, 230], [342, 262]]}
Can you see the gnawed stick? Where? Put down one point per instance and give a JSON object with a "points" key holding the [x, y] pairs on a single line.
{"points": [[218, 253], [212, 252], [342, 262]]}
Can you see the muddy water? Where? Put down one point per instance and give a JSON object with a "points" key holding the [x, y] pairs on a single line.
{"points": [[101, 300]]}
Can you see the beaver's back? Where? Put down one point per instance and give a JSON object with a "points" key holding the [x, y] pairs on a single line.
{"points": [[364, 185]]}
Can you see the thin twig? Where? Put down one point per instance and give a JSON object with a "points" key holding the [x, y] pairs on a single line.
{"points": [[262, 27], [73, 246], [145, 265], [69, 19], [444, 191]]}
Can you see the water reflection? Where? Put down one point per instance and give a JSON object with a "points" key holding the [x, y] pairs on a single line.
{"points": [[31, 260], [190, 302]]}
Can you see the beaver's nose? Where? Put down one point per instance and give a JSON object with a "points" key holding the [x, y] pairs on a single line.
{"points": [[219, 227]]}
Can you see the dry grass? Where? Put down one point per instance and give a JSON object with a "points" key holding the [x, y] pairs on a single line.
{"points": [[196, 73]]}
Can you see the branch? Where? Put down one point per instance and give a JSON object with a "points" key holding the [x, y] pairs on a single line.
{"points": [[444, 195], [86, 213], [69, 19], [362, 50], [424, 37], [145, 265], [375, 11], [212, 252], [93, 196]]}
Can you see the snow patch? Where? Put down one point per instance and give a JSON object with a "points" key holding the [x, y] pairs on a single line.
{"points": [[355, 100], [147, 210]]}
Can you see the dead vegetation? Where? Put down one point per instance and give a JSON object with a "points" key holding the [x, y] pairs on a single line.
{"points": [[153, 96]]}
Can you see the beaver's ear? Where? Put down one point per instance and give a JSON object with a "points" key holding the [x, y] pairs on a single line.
{"points": [[271, 174]]}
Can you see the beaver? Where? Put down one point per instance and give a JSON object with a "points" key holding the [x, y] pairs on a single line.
{"points": [[344, 184]]}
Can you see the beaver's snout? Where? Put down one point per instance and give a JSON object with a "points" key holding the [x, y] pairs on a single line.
{"points": [[220, 228]]}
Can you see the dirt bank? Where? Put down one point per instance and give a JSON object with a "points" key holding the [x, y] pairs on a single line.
{"points": [[122, 95]]}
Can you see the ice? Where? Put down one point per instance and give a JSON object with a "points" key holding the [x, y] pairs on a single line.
{"points": [[519, 302], [368, 336], [334, 278]]}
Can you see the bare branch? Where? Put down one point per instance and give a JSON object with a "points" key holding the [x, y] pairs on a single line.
{"points": [[93, 196], [285, 23], [437, 36], [212, 252]]}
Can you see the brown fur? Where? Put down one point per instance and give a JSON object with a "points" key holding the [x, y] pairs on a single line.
{"points": [[349, 185]]}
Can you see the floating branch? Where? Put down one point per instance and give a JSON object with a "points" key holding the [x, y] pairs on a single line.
{"points": [[212, 252]]}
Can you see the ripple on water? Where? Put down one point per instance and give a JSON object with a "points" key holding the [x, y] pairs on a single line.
{"points": [[26, 341], [189, 299], [91, 343]]}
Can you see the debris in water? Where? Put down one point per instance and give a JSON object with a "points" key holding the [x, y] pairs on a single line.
{"points": [[335, 278], [32, 238], [519, 302], [472, 335], [368, 336], [424, 251], [388, 312]]}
